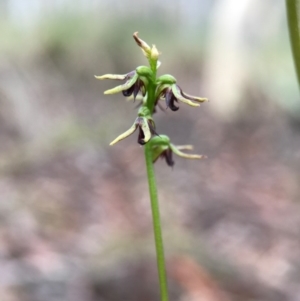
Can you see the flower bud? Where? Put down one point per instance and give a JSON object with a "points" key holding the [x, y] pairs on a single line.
{"points": [[154, 53], [145, 47]]}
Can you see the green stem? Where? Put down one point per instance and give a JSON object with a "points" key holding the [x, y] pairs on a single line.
{"points": [[151, 97], [152, 88], [293, 16], [156, 225]]}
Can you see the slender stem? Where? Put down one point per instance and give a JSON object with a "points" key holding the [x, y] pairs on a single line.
{"points": [[161, 266], [156, 225], [151, 88], [293, 16], [151, 97]]}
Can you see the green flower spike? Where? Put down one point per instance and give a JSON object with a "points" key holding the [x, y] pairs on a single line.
{"points": [[171, 92], [136, 81], [163, 148], [144, 85], [146, 130]]}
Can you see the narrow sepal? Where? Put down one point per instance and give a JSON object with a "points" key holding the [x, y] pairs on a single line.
{"points": [[179, 97], [185, 147], [194, 98], [123, 87], [184, 155], [111, 76], [125, 134]]}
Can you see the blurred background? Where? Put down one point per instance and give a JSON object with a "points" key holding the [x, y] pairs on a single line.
{"points": [[75, 220]]}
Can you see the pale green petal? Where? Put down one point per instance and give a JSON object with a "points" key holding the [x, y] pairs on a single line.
{"points": [[146, 130], [181, 98], [126, 134], [184, 155], [123, 87], [199, 99], [186, 147], [194, 98], [112, 76], [115, 90]]}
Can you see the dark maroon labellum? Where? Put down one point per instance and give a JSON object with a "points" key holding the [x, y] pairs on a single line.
{"points": [[128, 92], [169, 157], [170, 98], [141, 137]]}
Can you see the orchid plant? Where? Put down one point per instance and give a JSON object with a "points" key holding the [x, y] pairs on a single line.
{"points": [[143, 83]]}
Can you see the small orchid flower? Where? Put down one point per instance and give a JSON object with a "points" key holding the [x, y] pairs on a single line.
{"points": [[146, 130], [167, 154], [163, 148], [171, 93], [136, 81]]}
